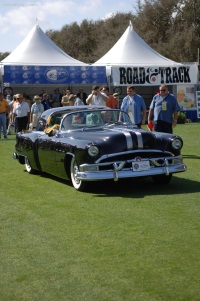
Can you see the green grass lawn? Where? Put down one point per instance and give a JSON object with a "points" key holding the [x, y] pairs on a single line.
{"points": [[120, 242]]}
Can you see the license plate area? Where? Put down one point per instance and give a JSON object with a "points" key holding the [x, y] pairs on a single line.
{"points": [[140, 165]]}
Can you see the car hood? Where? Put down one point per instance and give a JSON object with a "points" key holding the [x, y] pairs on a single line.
{"points": [[115, 138]]}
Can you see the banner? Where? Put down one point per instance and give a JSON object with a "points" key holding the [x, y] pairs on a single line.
{"points": [[151, 76], [40, 75]]}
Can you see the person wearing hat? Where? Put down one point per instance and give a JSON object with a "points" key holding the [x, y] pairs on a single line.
{"points": [[21, 112], [37, 109]]}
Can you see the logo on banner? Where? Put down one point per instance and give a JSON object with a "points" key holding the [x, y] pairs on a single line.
{"points": [[56, 74], [152, 76]]}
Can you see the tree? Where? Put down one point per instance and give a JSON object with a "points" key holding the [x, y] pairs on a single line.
{"points": [[3, 55], [171, 27]]}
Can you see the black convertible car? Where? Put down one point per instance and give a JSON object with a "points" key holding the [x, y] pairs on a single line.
{"points": [[87, 143]]}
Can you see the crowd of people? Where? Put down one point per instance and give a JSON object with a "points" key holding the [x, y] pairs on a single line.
{"points": [[22, 112]]}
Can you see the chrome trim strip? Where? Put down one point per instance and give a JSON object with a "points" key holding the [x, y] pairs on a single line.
{"points": [[167, 166], [136, 151], [121, 163]]}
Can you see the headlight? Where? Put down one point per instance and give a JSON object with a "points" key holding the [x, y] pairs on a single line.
{"points": [[177, 143], [93, 151]]}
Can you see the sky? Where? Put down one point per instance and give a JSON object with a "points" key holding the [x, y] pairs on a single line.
{"points": [[19, 16]]}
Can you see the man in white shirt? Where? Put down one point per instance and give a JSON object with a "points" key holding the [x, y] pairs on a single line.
{"points": [[97, 98], [21, 111]]}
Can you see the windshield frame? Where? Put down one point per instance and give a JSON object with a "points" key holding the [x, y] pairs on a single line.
{"points": [[90, 119]]}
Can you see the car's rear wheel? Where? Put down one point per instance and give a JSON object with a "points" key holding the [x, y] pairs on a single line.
{"points": [[29, 169], [162, 179], [78, 184]]}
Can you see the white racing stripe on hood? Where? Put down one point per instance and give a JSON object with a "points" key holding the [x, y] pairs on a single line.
{"points": [[127, 134], [129, 140], [139, 139]]}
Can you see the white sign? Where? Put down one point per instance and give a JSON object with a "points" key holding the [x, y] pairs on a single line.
{"points": [[149, 76], [140, 165]]}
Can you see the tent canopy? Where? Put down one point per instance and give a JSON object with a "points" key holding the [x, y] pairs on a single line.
{"points": [[38, 49], [132, 50]]}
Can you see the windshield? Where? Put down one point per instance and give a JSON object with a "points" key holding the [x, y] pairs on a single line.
{"points": [[95, 118]]}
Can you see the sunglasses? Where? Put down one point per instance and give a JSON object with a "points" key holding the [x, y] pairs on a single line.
{"points": [[163, 90]]}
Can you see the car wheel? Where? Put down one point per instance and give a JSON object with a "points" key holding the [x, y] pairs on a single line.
{"points": [[162, 179], [78, 184], [28, 166]]}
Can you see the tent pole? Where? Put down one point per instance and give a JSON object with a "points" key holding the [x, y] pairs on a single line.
{"points": [[1, 78], [108, 76]]}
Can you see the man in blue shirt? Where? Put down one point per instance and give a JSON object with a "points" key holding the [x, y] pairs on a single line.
{"points": [[164, 107], [134, 105]]}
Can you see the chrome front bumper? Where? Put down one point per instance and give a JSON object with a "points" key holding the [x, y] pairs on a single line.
{"points": [[92, 172]]}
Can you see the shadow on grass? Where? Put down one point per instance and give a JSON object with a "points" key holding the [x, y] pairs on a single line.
{"points": [[191, 157], [136, 187], [144, 187]]}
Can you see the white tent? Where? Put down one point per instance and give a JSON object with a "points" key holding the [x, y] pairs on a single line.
{"points": [[132, 61], [39, 61], [132, 50], [38, 49]]}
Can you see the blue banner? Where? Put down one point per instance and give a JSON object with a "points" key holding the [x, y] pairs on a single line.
{"points": [[70, 75]]}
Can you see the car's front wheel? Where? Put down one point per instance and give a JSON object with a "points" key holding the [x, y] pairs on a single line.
{"points": [[78, 184], [162, 179], [29, 169]]}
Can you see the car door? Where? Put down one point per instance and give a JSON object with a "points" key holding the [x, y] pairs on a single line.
{"points": [[47, 154]]}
